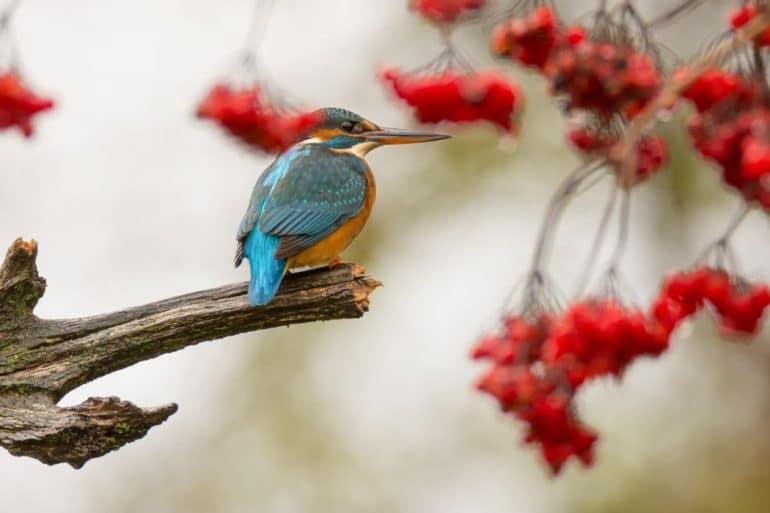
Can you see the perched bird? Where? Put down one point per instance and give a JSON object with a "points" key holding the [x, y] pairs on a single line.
{"points": [[313, 200]]}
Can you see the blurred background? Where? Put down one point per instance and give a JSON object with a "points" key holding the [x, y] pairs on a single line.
{"points": [[133, 200]]}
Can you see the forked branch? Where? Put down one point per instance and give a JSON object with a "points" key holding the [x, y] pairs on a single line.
{"points": [[42, 360]]}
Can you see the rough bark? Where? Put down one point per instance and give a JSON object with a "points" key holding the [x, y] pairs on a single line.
{"points": [[42, 360]]}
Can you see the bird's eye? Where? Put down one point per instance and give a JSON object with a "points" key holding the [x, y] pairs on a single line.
{"points": [[351, 127]]}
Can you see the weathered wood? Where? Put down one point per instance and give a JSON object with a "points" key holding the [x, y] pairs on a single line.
{"points": [[76, 434], [42, 360]]}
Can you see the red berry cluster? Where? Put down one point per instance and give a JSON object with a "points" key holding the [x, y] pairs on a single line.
{"points": [[652, 155], [539, 363], [731, 126], [538, 367], [18, 104], [248, 114], [534, 396], [601, 337], [446, 11], [530, 40], [603, 78], [458, 97], [738, 305], [598, 76], [744, 14]]}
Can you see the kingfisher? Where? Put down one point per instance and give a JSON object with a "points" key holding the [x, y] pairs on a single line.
{"points": [[314, 199]]}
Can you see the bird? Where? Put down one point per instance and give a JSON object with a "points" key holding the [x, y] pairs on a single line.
{"points": [[314, 199]]}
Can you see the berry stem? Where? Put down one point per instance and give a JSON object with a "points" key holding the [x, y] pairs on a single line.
{"points": [[760, 70], [558, 203], [623, 231], [720, 248], [671, 15], [7, 13], [258, 28], [601, 234], [741, 216]]}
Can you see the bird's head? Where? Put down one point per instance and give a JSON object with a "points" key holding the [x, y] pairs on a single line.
{"points": [[346, 131]]}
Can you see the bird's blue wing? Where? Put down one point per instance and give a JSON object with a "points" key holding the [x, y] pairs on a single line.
{"points": [[259, 195], [266, 270], [319, 192]]}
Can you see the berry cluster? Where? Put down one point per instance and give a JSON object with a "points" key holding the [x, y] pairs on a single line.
{"points": [[731, 126], [539, 367], [446, 11], [531, 39], [541, 357], [248, 114], [601, 337], [652, 154], [457, 97], [603, 78], [738, 305], [535, 396], [18, 104], [539, 362]]}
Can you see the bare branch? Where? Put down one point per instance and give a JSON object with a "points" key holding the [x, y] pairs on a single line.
{"points": [[41, 360]]}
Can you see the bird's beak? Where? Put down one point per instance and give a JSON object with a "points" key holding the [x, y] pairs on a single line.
{"points": [[398, 136]]}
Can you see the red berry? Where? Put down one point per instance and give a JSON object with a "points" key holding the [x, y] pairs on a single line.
{"points": [[742, 16], [446, 11], [528, 40], [19, 104], [755, 161]]}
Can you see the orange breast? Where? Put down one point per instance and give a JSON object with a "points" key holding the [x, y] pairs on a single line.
{"points": [[328, 249]]}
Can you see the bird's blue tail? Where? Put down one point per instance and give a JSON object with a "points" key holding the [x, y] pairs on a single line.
{"points": [[266, 271]]}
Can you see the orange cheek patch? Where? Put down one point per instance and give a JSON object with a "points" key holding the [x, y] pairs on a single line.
{"points": [[324, 134]]}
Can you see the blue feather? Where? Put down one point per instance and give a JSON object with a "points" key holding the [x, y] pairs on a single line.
{"points": [[266, 271], [258, 247]]}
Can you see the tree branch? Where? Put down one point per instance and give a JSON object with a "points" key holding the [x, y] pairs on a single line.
{"points": [[42, 360]]}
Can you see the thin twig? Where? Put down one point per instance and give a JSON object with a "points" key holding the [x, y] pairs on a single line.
{"points": [[258, 28], [623, 230], [672, 14], [721, 246], [7, 13], [556, 206], [601, 233], [741, 216]]}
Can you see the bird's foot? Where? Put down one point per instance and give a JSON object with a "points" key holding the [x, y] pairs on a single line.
{"points": [[334, 263]]}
